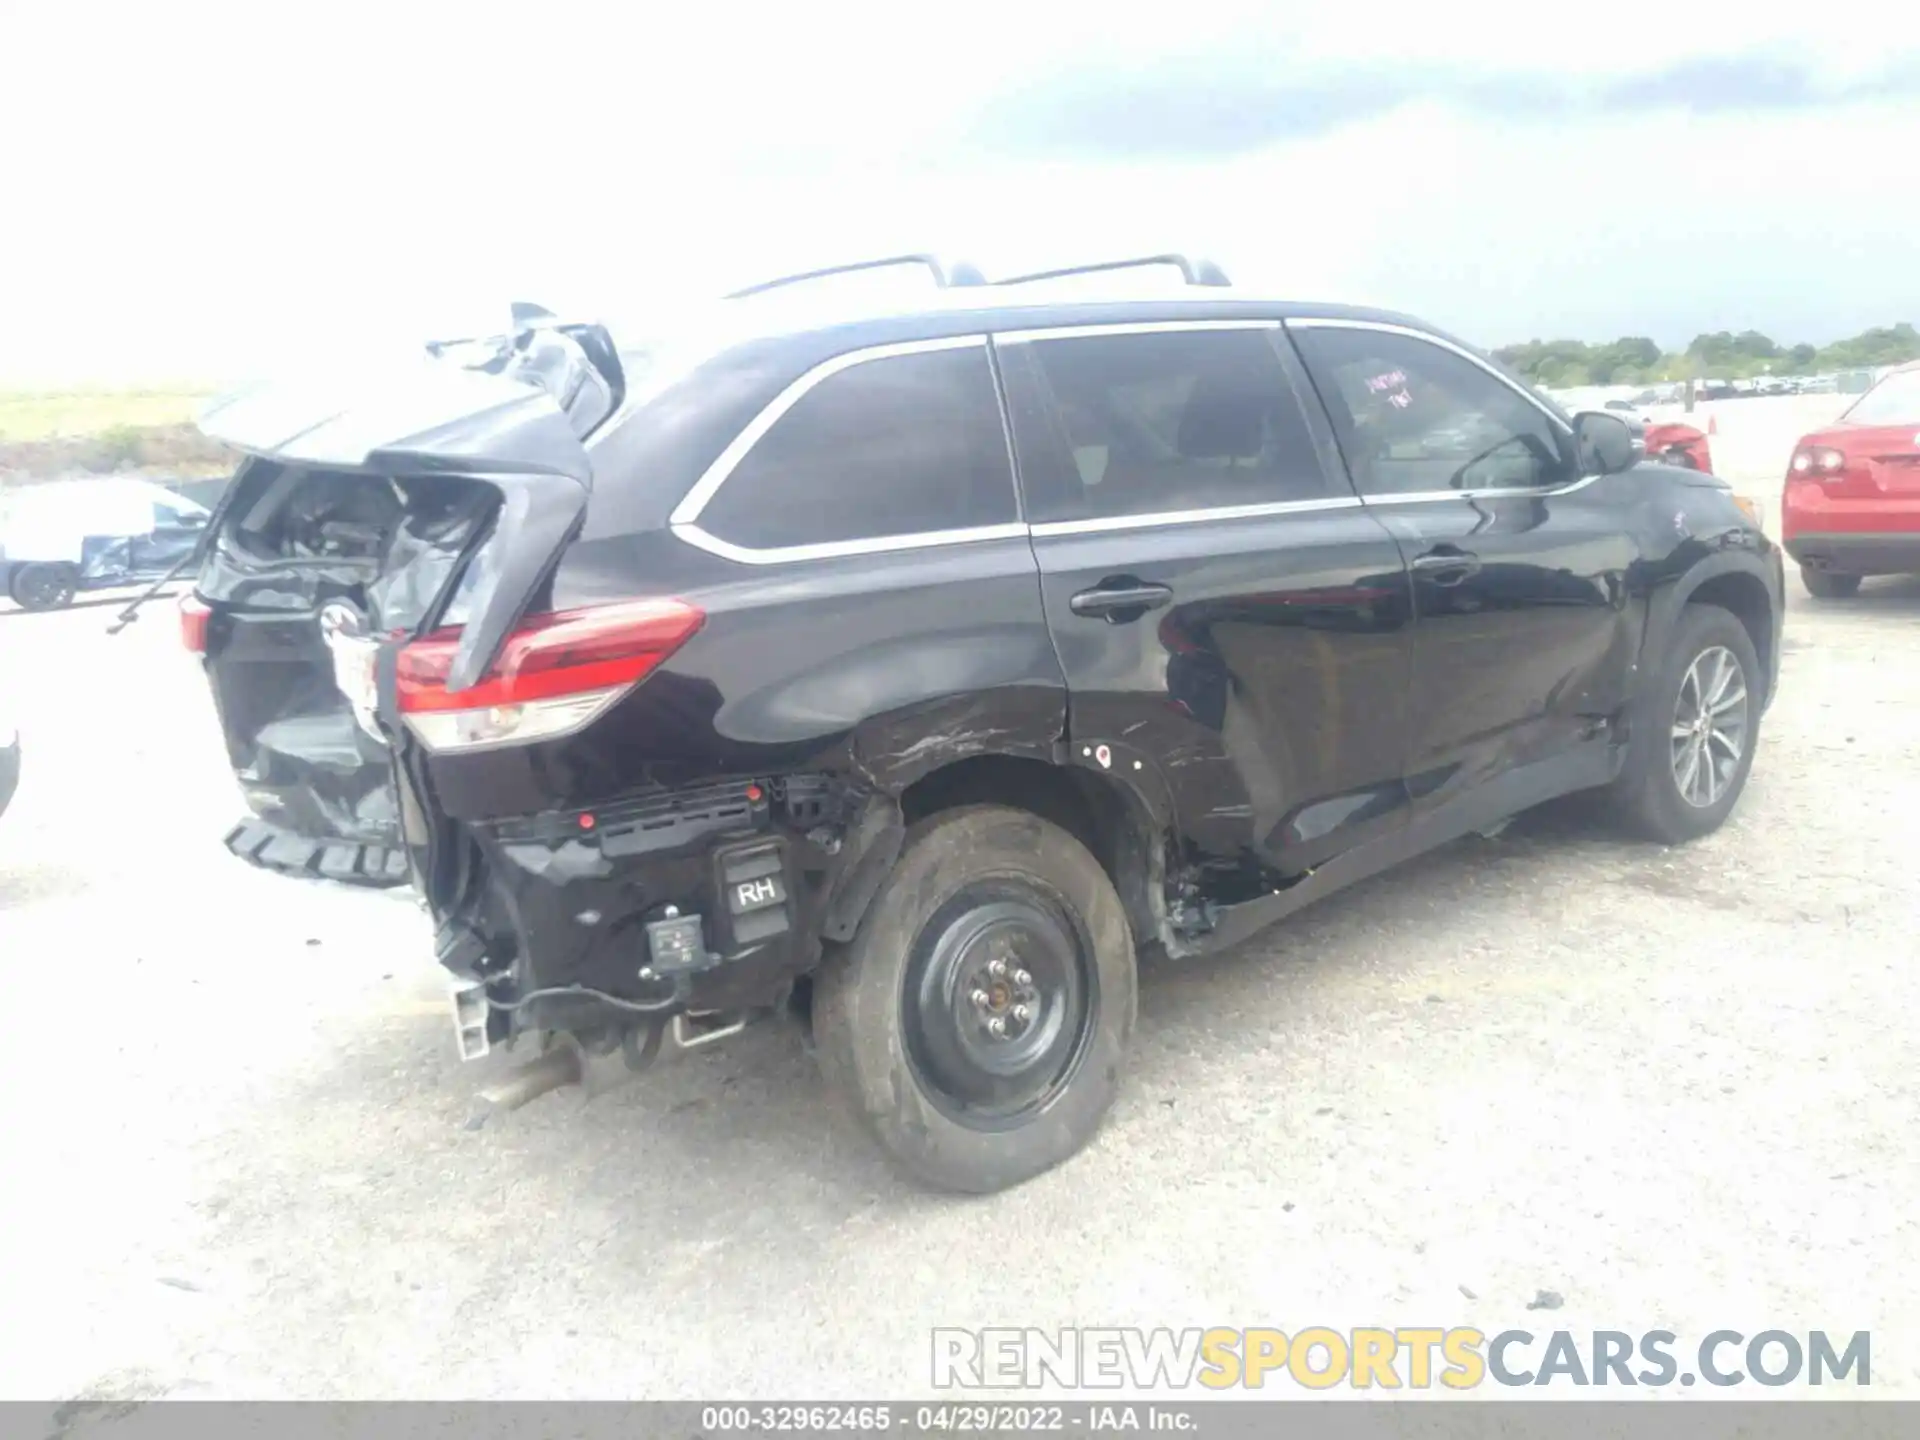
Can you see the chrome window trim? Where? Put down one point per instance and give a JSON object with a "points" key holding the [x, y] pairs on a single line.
{"points": [[1142, 327], [683, 520], [1192, 517], [1430, 497], [685, 516], [841, 549], [1313, 323], [695, 500]]}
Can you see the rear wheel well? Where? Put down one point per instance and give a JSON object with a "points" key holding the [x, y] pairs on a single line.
{"points": [[1097, 813], [1745, 596]]}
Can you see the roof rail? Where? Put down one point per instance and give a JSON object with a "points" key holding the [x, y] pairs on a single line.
{"points": [[944, 275], [1196, 271]]}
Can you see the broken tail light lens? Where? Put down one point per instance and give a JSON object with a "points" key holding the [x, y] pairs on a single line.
{"points": [[554, 675], [194, 615]]}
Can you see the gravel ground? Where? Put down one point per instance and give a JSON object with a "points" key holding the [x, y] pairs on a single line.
{"points": [[1675, 1087]]}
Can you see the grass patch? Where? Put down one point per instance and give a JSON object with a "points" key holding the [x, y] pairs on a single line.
{"points": [[49, 415], [49, 433]]}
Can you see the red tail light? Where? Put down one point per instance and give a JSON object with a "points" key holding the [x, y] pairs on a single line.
{"points": [[194, 614], [555, 674]]}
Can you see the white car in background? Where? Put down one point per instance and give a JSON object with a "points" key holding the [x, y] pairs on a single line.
{"points": [[61, 537]]}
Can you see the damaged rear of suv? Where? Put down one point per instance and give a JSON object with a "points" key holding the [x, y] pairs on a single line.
{"points": [[909, 669], [462, 630]]}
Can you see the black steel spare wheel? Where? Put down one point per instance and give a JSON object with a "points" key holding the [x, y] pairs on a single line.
{"points": [[998, 1000], [977, 1021]]}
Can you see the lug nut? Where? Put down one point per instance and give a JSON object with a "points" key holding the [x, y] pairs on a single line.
{"points": [[996, 1027], [1021, 977], [996, 968], [1020, 1012], [979, 997]]}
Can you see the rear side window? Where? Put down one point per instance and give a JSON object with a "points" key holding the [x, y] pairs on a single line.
{"points": [[901, 445], [1163, 422]]}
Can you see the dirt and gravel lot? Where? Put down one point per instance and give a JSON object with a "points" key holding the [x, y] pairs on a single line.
{"points": [[1678, 1088]]}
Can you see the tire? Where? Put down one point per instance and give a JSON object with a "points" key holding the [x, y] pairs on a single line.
{"points": [[900, 1037], [44, 586], [1829, 584], [1648, 796]]}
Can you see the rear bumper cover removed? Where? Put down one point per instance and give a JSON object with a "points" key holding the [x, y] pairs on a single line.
{"points": [[707, 900]]}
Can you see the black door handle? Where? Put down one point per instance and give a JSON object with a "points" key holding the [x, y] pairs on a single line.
{"points": [[1446, 565], [1117, 604]]}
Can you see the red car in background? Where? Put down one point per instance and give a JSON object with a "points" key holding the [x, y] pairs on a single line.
{"points": [[1669, 442], [1852, 501], [1679, 445]]}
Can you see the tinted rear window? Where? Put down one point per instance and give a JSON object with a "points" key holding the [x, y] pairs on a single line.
{"points": [[901, 445]]}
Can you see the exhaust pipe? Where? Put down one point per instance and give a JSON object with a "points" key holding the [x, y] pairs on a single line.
{"points": [[596, 1069], [569, 1062], [559, 1067]]}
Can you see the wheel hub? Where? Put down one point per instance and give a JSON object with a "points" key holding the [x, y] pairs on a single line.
{"points": [[1005, 1001]]}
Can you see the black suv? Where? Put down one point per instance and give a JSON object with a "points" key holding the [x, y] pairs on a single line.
{"points": [[911, 668]]}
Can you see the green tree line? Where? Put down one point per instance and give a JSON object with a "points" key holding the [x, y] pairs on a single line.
{"points": [[1722, 355]]}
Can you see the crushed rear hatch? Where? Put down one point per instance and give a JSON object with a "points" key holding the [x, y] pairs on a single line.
{"points": [[366, 510]]}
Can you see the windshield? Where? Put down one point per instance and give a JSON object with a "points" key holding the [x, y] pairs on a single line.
{"points": [[1894, 401]]}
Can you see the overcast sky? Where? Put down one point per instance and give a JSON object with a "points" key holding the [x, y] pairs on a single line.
{"points": [[200, 191]]}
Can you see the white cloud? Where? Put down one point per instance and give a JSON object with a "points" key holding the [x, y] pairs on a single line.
{"points": [[204, 187]]}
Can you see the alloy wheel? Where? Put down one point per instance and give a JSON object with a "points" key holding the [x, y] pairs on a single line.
{"points": [[1709, 726]]}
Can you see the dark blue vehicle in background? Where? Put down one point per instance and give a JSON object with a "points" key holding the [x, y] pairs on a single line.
{"points": [[62, 537]]}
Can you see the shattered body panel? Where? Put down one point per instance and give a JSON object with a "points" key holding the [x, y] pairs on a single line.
{"points": [[297, 545], [352, 504]]}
